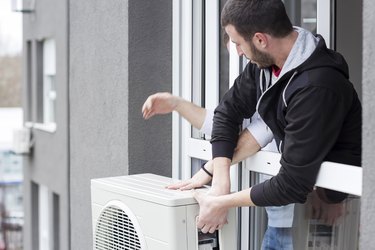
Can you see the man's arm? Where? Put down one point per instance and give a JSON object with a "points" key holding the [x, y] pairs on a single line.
{"points": [[238, 103], [247, 145], [164, 103]]}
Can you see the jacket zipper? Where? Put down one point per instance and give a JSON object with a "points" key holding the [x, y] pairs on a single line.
{"points": [[260, 98]]}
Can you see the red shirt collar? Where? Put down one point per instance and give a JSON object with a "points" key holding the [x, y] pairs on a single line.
{"points": [[275, 70]]}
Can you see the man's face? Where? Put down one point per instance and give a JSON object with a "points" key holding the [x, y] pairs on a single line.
{"points": [[248, 49]]}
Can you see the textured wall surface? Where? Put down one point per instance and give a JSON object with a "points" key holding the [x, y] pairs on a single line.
{"points": [[367, 240], [150, 71], [348, 33], [120, 52], [98, 104]]}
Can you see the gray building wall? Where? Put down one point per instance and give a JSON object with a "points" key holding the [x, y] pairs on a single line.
{"points": [[150, 71], [48, 164], [120, 52], [348, 32], [367, 240]]}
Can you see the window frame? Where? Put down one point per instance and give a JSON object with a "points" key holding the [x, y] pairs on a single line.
{"points": [[41, 74], [348, 179]]}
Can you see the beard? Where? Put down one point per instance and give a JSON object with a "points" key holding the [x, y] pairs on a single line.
{"points": [[261, 59]]}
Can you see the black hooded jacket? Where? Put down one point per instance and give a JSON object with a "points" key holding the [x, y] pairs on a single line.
{"points": [[315, 116]]}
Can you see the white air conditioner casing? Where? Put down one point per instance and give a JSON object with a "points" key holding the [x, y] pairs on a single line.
{"points": [[138, 212]]}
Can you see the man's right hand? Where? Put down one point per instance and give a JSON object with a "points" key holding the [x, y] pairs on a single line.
{"points": [[159, 103], [200, 179]]}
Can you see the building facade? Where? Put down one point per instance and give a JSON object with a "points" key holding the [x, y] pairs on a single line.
{"points": [[105, 58], [88, 68]]}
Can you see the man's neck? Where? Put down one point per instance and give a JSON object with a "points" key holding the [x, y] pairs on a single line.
{"points": [[282, 48]]}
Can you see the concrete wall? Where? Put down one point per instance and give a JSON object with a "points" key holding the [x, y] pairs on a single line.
{"points": [[348, 34], [98, 104], [120, 52], [367, 240], [150, 71], [48, 164]]}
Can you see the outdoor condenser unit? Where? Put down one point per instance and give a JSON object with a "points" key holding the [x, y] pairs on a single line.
{"points": [[138, 212]]}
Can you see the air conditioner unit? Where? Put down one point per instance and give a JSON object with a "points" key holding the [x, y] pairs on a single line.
{"points": [[138, 212]]}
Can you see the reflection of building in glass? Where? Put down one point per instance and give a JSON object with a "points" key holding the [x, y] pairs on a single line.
{"points": [[11, 200], [342, 235], [316, 234]]}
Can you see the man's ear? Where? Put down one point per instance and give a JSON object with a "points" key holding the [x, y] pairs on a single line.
{"points": [[260, 40]]}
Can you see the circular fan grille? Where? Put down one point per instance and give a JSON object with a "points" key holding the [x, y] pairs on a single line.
{"points": [[116, 231]]}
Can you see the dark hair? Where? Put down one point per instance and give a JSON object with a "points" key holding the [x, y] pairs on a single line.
{"points": [[251, 16], [225, 38]]}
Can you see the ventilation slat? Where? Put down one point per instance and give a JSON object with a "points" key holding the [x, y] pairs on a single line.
{"points": [[115, 231]]}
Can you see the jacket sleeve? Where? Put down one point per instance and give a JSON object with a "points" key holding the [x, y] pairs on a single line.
{"points": [[314, 119], [237, 104]]}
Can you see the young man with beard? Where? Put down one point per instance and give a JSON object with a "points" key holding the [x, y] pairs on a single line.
{"points": [[301, 90]]}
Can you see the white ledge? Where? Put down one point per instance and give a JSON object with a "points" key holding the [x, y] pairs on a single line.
{"points": [[335, 176], [46, 127]]}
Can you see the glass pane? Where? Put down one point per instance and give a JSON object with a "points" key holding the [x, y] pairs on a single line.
{"points": [[321, 226], [196, 165], [198, 89], [308, 15], [224, 61], [302, 13], [49, 99]]}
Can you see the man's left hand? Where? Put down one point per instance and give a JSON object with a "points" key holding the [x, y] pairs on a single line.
{"points": [[212, 212]]}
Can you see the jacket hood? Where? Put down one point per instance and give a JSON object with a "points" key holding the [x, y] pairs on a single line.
{"points": [[324, 57], [304, 46], [309, 52]]}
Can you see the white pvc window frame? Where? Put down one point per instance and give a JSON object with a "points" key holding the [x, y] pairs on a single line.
{"points": [[185, 147], [323, 20], [49, 81]]}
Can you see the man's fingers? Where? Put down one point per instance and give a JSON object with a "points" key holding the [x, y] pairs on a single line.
{"points": [[190, 186], [148, 114], [178, 185], [199, 223], [147, 104], [147, 109], [212, 230]]}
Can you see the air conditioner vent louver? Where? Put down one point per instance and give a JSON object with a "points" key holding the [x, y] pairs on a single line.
{"points": [[116, 231]]}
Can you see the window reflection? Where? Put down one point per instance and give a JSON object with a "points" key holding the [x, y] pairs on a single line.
{"points": [[322, 226], [302, 13]]}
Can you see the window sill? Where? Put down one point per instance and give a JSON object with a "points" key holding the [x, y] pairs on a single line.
{"points": [[46, 127]]}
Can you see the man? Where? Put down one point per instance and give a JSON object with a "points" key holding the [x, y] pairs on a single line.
{"points": [[308, 103], [280, 219]]}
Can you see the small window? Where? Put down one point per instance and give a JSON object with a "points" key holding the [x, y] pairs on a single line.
{"points": [[29, 76], [44, 218], [35, 214], [56, 221], [46, 93], [49, 83]]}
